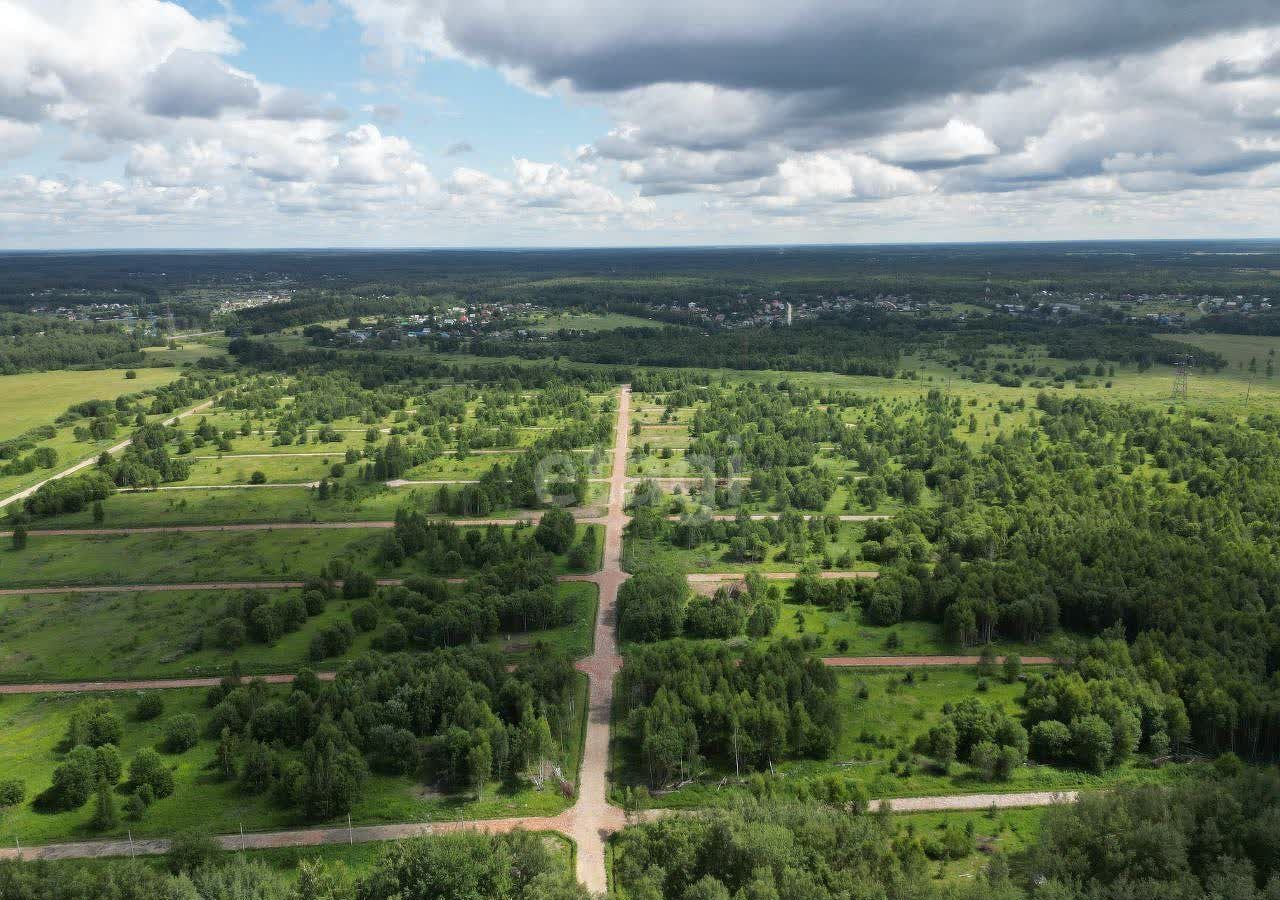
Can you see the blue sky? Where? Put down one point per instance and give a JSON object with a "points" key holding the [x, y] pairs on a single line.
{"points": [[133, 123]]}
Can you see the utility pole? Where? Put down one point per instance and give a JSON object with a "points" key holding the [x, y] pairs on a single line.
{"points": [[1181, 369]]}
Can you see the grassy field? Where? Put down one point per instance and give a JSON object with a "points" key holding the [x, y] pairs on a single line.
{"points": [[295, 503], [181, 557], [1006, 831], [1223, 391], [843, 633], [149, 634], [34, 726], [875, 730], [592, 322], [37, 398], [166, 634], [715, 557]]}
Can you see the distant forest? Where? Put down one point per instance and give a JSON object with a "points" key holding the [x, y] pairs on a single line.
{"points": [[618, 277]]}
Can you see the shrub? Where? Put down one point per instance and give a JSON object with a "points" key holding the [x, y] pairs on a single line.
{"points": [[181, 733], [1050, 741], [365, 617], [74, 779], [314, 601], [135, 807], [191, 850], [107, 763], [555, 530], [94, 723], [105, 816], [258, 477], [357, 585], [12, 792], [985, 757], [265, 624], [334, 640], [393, 638], [149, 707], [1091, 742], [149, 769], [229, 633]]}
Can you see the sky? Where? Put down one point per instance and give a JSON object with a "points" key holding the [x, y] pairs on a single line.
{"points": [[511, 123]]}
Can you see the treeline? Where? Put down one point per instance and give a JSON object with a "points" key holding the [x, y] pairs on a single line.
{"points": [[688, 703], [512, 596], [462, 866], [870, 342], [805, 347], [319, 306], [1259, 323], [40, 343], [372, 370], [448, 549]]}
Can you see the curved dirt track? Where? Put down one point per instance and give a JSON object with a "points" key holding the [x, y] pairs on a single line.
{"points": [[88, 461]]}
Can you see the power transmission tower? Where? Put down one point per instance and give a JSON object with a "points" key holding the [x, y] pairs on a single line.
{"points": [[1181, 369]]}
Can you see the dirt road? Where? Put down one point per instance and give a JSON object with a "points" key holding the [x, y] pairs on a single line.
{"points": [[565, 823], [207, 586], [143, 684], [530, 519]]}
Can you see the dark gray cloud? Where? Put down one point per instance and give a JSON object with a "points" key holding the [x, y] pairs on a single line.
{"points": [[876, 53], [196, 85], [458, 148], [1228, 70]]}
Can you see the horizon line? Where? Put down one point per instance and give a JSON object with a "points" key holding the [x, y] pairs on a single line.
{"points": [[585, 248]]}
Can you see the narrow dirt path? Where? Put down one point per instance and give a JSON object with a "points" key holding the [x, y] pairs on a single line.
{"points": [[563, 823], [593, 516], [90, 460], [141, 684], [208, 586], [838, 662], [530, 519], [701, 582]]}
